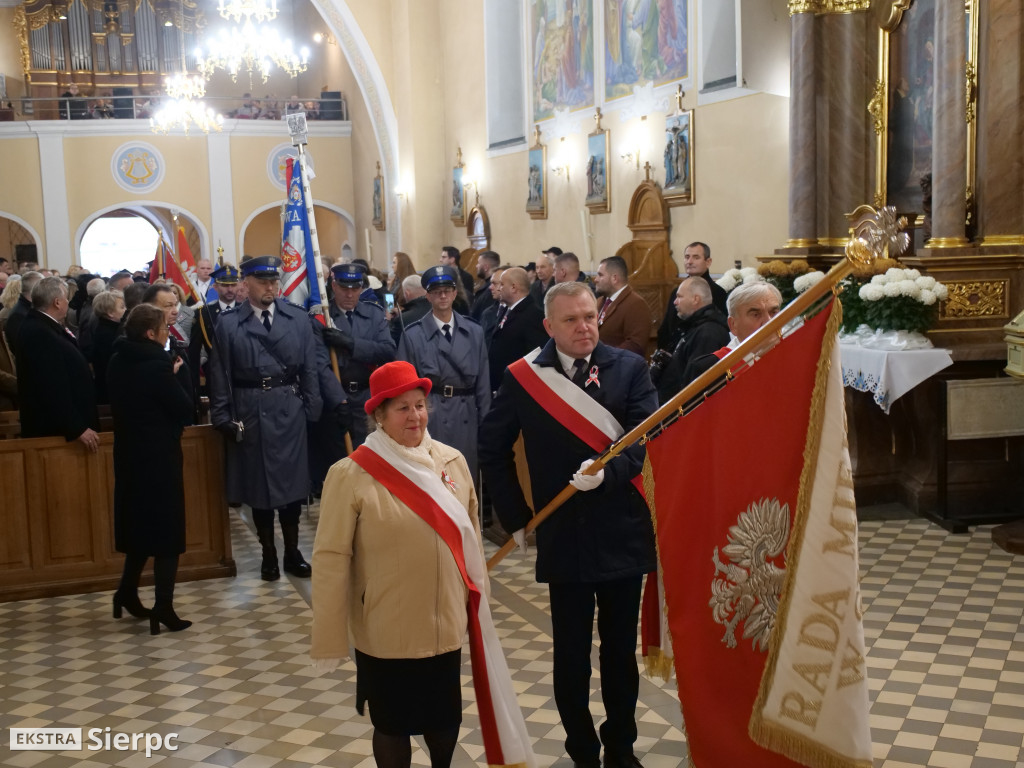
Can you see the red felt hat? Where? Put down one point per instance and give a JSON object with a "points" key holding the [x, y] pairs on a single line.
{"points": [[392, 380]]}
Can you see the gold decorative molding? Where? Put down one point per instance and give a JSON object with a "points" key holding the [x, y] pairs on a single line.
{"points": [[1003, 240], [896, 10], [801, 242], [971, 77], [972, 299], [947, 242], [876, 107], [803, 6], [20, 24], [825, 7]]}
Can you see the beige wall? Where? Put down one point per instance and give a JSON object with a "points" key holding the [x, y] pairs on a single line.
{"points": [[431, 54], [263, 234], [21, 193]]}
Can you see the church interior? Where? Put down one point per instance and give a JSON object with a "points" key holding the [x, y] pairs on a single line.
{"points": [[605, 127]]}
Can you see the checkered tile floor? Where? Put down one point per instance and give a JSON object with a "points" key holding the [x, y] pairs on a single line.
{"points": [[943, 623]]}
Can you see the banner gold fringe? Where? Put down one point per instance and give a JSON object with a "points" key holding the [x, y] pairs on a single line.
{"points": [[766, 734]]}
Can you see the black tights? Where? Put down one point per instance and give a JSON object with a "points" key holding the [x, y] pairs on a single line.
{"points": [[396, 751], [165, 568]]}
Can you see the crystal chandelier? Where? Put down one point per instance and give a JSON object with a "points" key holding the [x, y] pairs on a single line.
{"points": [[183, 86], [185, 113], [260, 10], [251, 48]]}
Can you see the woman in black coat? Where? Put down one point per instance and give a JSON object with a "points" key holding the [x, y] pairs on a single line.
{"points": [[150, 409], [108, 308]]}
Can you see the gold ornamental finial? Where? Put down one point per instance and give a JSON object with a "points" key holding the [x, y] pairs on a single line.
{"points": [[679, 97], [536, 135], [647, 170], [876, 234], [597, 119], [458, 156]]}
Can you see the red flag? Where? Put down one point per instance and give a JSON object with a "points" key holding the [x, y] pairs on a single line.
{"points": [[187, 268], [733, 484], [165, 267]]}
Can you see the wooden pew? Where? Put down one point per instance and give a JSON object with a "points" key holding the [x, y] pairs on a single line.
{"points": [[58, 522]]}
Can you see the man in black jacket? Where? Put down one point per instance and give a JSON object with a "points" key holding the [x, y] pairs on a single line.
{"points": [[696, 263], [702, 329], [596, 548], [520, 329], [55, 385], [416, 306]]}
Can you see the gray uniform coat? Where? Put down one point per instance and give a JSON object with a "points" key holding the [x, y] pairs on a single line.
{"points": [[269, 468], [462, 364]]}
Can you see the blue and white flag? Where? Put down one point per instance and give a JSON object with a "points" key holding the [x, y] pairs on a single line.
{"points": [[300, 284]]}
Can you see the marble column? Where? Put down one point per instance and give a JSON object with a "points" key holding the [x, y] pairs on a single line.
{"points": [[1000, 125], [949, 128], [849, 122], [803, 142]]}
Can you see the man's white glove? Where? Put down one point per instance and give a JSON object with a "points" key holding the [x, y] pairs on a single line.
{"points": [[519, 537], [583, 482]]}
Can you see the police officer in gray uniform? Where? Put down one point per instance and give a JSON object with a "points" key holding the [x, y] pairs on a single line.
{"points": [[263, 390], [362, 339], [449, 349]]}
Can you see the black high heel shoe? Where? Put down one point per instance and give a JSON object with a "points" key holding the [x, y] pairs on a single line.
{"points": [[132, 604], [164, 614]]}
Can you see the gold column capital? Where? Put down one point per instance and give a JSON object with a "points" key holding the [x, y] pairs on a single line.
{"points": [[825, 7]]}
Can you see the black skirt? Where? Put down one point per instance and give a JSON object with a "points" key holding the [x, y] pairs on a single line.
{"points": [[410, 696]]}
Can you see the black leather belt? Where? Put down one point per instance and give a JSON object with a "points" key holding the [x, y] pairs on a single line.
{"points": [[353, 387], [267, 382], [447, 390]]}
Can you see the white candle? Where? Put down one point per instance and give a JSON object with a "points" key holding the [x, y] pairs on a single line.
{"points": [[586, 239], [369, 258]]}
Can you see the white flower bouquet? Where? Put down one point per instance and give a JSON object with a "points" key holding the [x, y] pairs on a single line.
{"points": [[896, 300], [733, 277]]}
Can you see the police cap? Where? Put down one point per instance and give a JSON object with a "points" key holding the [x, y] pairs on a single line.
{"points": [[264, 267], [348, 274], [226, 275], [441, 276]]}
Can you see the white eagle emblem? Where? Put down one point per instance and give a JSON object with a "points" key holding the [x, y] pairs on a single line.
{"points": [[752, 583]]}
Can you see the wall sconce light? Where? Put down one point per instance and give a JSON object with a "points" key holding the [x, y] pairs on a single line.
{"points": [[632, 156], [320, 37], [469, 180], [560, 164]]}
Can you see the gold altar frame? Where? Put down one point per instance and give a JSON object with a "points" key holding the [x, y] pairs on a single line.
{"points": [[539, 151], [601, 139], [878, 106]]}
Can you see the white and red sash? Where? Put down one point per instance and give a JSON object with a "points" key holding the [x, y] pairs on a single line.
{"points": [[569, 405], [506, 742]]}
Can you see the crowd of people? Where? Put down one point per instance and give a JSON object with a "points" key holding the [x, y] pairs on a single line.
{"points": [[524, 373]]}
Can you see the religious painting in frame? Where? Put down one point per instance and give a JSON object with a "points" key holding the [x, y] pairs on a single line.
{"points": [[677, 154], [537, 185], [644, 41], [561, 55], [910, 89], [598, 185], [378, 200]]}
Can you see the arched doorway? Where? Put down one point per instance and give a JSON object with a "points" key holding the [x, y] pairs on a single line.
{"points": [[19, 243], [118, 240], [261, 233]]}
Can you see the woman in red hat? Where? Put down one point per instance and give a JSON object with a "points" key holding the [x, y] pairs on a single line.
{"points": [[398, 562]]}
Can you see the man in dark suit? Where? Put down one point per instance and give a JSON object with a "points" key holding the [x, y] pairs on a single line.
{"points": [[486, 263], [450, 258], [520, 329], [596, 548], [54, 382], [545, 275], [623, 317]]}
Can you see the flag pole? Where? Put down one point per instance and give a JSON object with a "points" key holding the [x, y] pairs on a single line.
{"points": [[859, 251], [299, 135], [200, 300]]}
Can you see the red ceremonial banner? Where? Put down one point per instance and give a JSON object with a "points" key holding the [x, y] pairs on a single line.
{"points": [[723, 475]]}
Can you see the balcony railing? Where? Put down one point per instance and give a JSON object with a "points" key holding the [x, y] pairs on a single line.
{"points": [[145, 107]]}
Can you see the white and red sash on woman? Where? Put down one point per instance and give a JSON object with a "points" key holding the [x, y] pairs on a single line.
{"points": [[506, 742]]}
